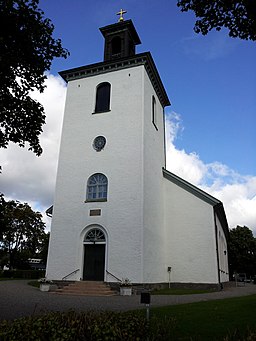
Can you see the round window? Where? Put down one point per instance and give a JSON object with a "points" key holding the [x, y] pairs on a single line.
{"points": [[99, 143]]}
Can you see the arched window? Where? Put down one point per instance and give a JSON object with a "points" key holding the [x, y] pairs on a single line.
{"points": [[95, 235], [97, 187], [102, 97]]}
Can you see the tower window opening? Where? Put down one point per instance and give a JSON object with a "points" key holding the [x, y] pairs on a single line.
{"points": [[97, 187], [102, 97], [116, 45]]}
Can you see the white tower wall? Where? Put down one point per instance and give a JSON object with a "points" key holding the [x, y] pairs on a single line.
{"points": [[132, 175], [154, 159]]}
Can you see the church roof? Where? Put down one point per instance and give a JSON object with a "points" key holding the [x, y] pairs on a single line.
{"points": [[199, 193], [49, 211], [144, 58]]}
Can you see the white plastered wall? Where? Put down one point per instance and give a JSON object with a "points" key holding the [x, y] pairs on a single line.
{"points": [[222, 252], [190, 237], [121, 161], [154, 159]]}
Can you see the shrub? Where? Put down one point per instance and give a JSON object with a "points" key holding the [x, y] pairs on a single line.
{"points": [[25, 274], [35, 284], [237, 335], [89, 326]]}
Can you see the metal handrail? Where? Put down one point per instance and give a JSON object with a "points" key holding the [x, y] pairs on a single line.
{"points": [[109, 273], [71, 273]]}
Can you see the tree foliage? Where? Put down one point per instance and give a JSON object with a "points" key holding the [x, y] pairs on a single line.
{"points": [[242, 251], [23, 234], [43, 249], [238, 16], [2, 202], [27, 50]]}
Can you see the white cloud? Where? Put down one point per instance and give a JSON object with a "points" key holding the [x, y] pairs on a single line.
{"points": [[237, 192], [26, 177], [187, 166], [239, 200]]}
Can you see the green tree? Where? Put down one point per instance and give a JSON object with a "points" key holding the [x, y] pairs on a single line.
{"points": [[242, 251], [43, 250], [23, 232], [238, 16], [2, 202], [27, 50]]}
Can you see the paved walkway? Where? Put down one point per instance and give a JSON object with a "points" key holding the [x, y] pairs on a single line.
{"points": [[18, 299]]}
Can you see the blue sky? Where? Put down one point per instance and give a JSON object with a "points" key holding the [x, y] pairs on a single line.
{"points": [[210, 81]]}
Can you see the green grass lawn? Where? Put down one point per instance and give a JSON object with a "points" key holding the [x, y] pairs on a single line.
{"points": [[212, 320], [225, 319], [179, 291]]}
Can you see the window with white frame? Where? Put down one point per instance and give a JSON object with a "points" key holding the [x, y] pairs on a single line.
{"points": [[97, 187], [102, 97], [95, 235]]}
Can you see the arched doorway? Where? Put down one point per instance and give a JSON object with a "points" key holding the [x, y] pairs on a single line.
{"points": [[94, 255]]}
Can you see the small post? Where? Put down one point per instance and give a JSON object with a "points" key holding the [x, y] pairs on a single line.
{"points": [[235, 275], [145, 298], [169, 269], [147, 313]]}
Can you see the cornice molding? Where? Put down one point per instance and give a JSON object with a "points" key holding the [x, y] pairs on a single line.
{"points": [[119, 27], [122, 63]]}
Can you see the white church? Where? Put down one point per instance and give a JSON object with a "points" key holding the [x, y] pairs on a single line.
{"points": [[118, 212]]}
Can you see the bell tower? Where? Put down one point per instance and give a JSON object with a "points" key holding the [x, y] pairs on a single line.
{"points": [[108, 217], [120, 40]]}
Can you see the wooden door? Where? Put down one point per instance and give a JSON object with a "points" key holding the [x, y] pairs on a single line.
{"points": [[94, 262]]}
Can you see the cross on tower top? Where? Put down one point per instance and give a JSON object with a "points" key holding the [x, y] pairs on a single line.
{"points": [[121, 12]]}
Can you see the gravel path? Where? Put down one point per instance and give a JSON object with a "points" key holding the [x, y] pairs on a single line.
{"points": [[18, 299]]}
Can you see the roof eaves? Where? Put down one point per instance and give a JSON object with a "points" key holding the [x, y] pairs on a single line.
{"points": [[220, 212], [49, 211]]}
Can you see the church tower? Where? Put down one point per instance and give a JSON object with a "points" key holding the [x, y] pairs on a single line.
{"points": [[108, 220]]}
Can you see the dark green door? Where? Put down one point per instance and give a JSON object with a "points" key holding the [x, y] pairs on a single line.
{"points": [[94, 262]]}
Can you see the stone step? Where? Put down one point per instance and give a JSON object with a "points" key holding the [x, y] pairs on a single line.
{"points": [[86, 294], [88, 284], [87, 288]]}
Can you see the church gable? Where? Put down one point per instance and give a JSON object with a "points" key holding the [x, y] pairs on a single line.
{"points": [[206, 197], [192, 226], [189, 236], [190, 188]]}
